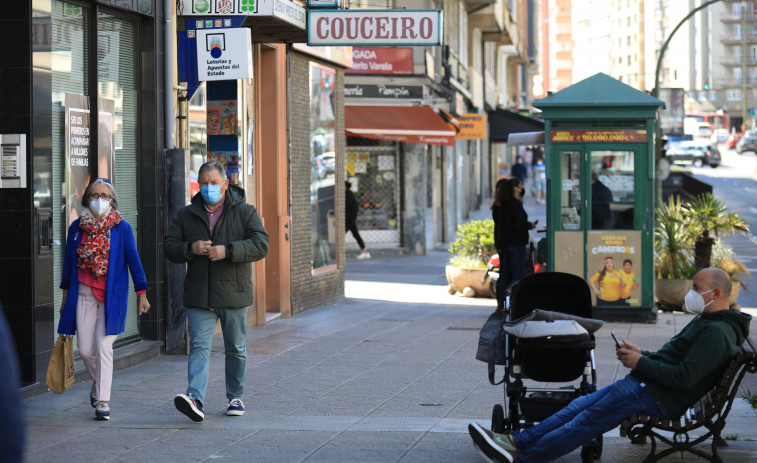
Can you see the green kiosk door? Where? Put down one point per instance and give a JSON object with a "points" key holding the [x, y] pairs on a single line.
{"points": [[596, 236], [599, 141]]}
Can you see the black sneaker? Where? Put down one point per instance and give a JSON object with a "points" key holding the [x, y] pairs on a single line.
{"points": [[93, 395], [236, 408], [493, 448], [189, 406]]}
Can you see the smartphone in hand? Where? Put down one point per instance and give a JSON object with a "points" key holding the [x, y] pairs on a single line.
{"points": [[617, 344]]}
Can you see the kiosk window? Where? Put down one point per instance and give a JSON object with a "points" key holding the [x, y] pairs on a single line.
{"points": [[570, 194], [612, 183]]}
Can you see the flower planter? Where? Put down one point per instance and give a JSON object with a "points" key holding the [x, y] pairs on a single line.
{"points": [[671, 293], [460, 279], [735, 291]]}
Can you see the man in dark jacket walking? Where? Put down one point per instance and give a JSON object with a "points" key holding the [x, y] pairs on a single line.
{"points": [[218, 235], [664, 383]]}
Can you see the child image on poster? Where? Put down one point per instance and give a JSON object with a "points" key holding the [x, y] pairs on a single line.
{"points": [[608, 284], [631, 281], [214, 122]]}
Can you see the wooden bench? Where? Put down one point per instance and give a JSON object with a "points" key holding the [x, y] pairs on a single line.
{"points": [[708, 414]]}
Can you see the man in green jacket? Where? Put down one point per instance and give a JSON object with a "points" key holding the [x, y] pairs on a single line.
{"points": [[662, 383], [218, 236]]}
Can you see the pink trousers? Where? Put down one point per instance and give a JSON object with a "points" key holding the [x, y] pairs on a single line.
{"points": [[95, 348]]}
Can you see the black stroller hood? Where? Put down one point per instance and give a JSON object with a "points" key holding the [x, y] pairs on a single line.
{"points": [[555, 291]]}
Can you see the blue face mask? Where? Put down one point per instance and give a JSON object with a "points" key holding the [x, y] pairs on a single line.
{"points": [[211, 193]]}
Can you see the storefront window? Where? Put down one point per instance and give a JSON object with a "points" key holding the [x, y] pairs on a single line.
{"points": [[117, 132], [612, 195], [70, 67], [323, 165], [570, 191]]}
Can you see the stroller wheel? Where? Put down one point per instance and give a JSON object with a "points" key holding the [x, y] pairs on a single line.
{"points": [[592, 450], [493, 289], [587, 454], [498, 419]]}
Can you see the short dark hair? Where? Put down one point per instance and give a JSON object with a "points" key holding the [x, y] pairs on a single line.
{"points": [[113, 199], [627, 261], [217, 165]]}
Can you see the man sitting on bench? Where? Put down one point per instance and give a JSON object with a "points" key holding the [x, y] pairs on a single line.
{"points": [[662, 383]]}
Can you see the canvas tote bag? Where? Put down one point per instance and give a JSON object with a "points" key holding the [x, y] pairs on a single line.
{"points": [[60, 370]]}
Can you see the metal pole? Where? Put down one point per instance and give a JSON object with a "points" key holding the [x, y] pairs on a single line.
{"points": [[744, 57]]}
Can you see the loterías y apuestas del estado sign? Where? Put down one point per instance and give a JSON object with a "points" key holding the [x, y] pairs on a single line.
{"points": [[374, 27]]}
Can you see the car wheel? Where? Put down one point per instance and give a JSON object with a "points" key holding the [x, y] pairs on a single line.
{"points": [[698, 162], [714, 165]]}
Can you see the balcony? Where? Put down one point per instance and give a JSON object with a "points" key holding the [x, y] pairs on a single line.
{"points": [[737, 39], [737, 61], [489, 19], [730, 18]]}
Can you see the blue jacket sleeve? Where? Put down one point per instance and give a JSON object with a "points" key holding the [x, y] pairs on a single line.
{"points": [[69, 253], [132, 259]]}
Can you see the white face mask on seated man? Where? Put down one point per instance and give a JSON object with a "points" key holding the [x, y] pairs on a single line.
{"points": [[695, 301]]}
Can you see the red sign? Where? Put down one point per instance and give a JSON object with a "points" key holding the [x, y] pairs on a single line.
{"points": [[598, 136], [369, 60]]}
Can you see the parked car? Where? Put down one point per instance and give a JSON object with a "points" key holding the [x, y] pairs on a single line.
{"points": [[719, 136], [748, 142], [694, 152], [732, 139]]}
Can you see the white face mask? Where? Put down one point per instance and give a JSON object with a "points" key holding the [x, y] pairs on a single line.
{"points": [[99, 206], [695, 302]]}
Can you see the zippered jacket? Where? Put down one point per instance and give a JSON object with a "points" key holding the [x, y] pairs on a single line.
{"points": [[225, 283], [692, 362]]}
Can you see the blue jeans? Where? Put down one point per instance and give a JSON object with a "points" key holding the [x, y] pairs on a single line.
{"points": [[512, 266], [585, 418], [202, 323]]}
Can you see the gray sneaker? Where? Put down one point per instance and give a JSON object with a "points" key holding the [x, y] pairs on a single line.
{"points": [[102, 410], [493, 447]]}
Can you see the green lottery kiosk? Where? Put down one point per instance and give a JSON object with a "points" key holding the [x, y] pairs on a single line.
{"points": [[599, 145]]}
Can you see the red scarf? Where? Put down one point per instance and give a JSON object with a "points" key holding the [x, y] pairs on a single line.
{"points": [[93, 255]]}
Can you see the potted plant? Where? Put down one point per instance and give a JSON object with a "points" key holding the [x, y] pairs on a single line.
{"points": [[709, 219], [674, 259], [724, 258], [685, 236], [472, 248]]}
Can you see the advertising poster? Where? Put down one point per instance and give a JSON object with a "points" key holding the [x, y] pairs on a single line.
{"points": [[77, 128], [222, 117], [230, 160], [613, 266], [77, 152]]}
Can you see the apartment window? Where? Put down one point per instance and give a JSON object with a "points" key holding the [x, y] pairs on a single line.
{"points": [[628, 21], [628, 40], [737, 75], [736, 9], [733, 94], [628, 60]]}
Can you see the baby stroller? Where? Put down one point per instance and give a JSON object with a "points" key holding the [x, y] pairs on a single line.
{"points": [[553, 295]]}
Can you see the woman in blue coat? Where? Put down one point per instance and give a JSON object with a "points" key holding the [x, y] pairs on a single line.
{"points": [[95, 284]]}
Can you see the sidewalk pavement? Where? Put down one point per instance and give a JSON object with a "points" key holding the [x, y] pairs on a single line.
{"points": [[386, 375]]}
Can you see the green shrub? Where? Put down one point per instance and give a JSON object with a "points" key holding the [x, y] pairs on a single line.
{"points": [[474, 241]]}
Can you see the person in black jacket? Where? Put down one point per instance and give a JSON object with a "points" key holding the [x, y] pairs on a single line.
{"points": [[511, 228], [218, 236], [350, 219]]}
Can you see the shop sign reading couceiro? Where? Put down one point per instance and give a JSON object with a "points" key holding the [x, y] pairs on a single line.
{"points": [[374, 27]]}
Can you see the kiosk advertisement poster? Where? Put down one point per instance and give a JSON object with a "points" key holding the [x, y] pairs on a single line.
{"points": [[613, 266]]}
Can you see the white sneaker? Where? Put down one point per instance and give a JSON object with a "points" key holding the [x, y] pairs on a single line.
{"points": [[364, 255], [102, 411]]}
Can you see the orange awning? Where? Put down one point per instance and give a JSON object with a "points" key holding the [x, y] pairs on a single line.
{"points": [[408, 124]]}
